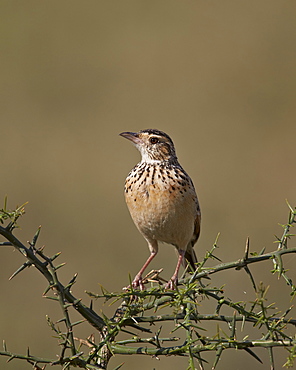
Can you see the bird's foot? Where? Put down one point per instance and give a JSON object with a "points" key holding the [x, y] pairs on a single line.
{"points": [[137, 283], [172, 283]]}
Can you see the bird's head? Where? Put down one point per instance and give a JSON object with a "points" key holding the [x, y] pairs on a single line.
{"points": [[154, 145]]}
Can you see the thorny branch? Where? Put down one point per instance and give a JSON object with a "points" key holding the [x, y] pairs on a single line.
{"points": [[182, 308]]}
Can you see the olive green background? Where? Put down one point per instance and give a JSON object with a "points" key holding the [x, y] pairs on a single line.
{"points": [[218, 76]]}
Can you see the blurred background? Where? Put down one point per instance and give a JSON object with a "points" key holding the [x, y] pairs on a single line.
{"points": [[218, 77]]}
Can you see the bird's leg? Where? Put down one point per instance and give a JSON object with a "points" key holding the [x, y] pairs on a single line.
{"points": [[137, 282], [174, 279]]}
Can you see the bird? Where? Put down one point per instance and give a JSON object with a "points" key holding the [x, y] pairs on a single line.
{"points": [[162, 201]]}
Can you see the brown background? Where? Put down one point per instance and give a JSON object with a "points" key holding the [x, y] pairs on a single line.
{"points": [[218, 76]]}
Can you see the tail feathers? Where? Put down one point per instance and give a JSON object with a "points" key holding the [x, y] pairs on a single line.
{"points": [[190, 258]]}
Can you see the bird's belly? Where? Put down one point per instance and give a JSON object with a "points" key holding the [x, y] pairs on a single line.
{"points": [[163, 213]]}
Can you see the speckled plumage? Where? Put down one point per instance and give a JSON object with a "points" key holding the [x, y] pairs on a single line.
{"points": [[161, 199]]}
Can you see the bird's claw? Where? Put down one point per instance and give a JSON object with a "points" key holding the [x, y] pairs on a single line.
{"points": [[172, 283], [136, 283]]}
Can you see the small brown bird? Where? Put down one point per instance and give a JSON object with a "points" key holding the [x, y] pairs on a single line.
{"points": [[162, 201]]}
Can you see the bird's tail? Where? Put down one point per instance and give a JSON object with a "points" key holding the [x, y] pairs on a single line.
{"points": [[190, 258]]}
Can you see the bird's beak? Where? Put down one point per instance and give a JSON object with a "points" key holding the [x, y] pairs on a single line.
{"points": [[132, 136]]}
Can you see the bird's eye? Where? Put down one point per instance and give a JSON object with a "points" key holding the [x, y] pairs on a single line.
{"points": [[153, 140]]}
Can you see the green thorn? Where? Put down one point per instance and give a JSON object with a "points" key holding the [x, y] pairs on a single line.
{"points": [[35, 237], [11, 358], [59, 266], [46, 290], [233, 324], [61, 320], [218, 355], [246, 268], [247, 248], [52, 298], [253, 354], [26, 264], [55, 256], [78, 322], [271, 359], [72, 281], [119, 366]]}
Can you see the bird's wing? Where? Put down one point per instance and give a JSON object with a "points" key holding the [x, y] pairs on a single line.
{"points": [[190, 255]]}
